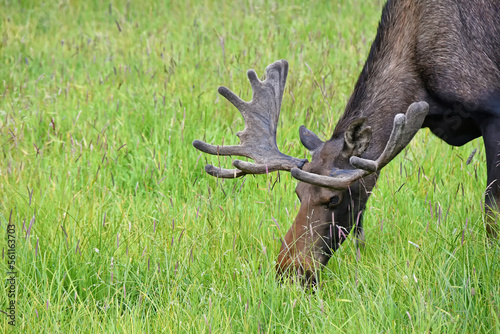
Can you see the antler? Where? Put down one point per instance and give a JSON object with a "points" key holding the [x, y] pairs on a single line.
{"points": [[258, 139], [404, 129]]}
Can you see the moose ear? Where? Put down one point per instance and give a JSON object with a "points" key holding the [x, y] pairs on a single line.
{"points": [[357, 138], [309, 139]]}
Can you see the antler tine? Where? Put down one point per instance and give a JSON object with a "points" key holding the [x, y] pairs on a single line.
{"points": [[223, 173], [404, 129], [258, 138]]}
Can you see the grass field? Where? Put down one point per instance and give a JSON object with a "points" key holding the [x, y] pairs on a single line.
{"points": [[118, 228]]}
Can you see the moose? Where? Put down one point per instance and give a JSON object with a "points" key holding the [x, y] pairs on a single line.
{"points": [[434, 64]]}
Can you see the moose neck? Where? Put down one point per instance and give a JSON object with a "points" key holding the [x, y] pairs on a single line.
{"points": [[389, 81]]}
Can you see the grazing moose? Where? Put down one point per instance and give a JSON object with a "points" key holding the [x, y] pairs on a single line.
{"points": [[445, 54]]}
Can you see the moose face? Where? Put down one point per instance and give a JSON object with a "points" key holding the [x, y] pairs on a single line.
{"points": [[333, 187], [326, 216]]}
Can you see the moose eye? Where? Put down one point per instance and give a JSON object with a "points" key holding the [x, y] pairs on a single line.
{"points": [[334, 201]]}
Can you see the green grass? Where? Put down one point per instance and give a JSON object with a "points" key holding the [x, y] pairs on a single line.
{"points": [[120, 230]]}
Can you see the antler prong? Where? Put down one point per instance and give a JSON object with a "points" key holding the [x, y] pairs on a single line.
{"points": [[251, 168], [365, 164], [220, 150], [231, 97], [223, 173], [254, 80]]}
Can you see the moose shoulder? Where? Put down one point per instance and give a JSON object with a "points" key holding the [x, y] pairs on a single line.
{"points": [[445, 55]]}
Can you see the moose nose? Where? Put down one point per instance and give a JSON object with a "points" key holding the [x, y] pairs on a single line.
{"points": [[296, 270]]}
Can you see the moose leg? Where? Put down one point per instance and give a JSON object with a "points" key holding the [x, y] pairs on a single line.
{"points": [[491, 136]]}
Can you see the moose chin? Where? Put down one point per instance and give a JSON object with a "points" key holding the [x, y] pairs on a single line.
{"points": [[432, 64]]}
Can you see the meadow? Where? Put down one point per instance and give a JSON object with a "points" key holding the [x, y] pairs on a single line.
{"points": [[119, 229]]}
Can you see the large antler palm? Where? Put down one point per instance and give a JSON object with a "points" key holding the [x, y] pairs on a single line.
{"points": [[258, 139]]}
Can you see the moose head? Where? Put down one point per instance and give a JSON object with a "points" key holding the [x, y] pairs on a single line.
{"points": [[333, 188]]}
